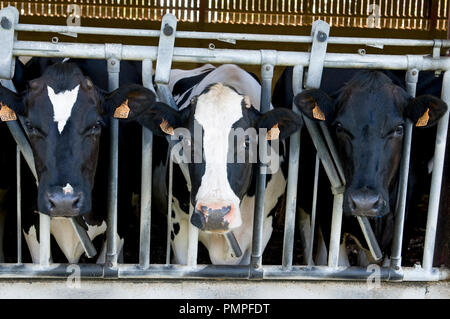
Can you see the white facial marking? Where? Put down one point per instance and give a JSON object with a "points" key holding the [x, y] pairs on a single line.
{"points": [[68, 189], [216, 111], [63, 103]]}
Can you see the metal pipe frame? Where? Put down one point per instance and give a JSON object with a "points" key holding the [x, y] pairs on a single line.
{"points": [[253, 57], [134, 271], [146, 177], [396, 255], [226, 36], [113, 83], [291, 190]]}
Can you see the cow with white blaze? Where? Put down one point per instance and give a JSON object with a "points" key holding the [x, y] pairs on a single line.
{"points": [[214, 105], [64, 114]]}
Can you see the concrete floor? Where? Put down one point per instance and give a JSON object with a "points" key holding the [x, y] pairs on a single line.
{"points": [[168, 289]]}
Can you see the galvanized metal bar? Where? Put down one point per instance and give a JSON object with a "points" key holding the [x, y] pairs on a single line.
{"points": [[371, 240], [192, 241], [165, 48], [396, 253], [309, 258], [292, 181], [44, 240], [19, 205], [169, 211], [258, 217], [85, 241], [250, 57], [221, 36], [146, 177], [9, 17], [177, 272], [436, 179], [113, 83]]}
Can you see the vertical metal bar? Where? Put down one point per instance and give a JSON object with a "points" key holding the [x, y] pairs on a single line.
{"points": [[44, 240], [436, 179], [146, 178], [313, 210], [19, 206], [169, 210], [258, 218], [396, 255], [291, 191], [192, 241], [111, 246]]}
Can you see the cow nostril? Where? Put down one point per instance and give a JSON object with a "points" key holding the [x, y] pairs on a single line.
{"points": [[76, 203]]}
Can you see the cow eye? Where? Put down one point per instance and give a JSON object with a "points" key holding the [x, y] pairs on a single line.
{"points": [[339, 128], [33, 131], [397, 131], [96, 128]]}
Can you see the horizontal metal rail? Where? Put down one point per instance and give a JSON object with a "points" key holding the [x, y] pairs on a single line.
{"points": [[251, 57], [157, 271], [227, 36]]}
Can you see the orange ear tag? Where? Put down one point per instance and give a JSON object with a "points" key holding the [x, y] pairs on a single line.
{"points": [[122, 111], [273, 133], [423, 120], [6, 114], [317, 113], [166, 128]]}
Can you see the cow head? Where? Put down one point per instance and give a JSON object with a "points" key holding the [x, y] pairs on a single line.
{"points": [[367, 120], [64, 113], [218, 182]]}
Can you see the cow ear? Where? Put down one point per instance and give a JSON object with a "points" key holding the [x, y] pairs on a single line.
{"points": [[136, 103], [10, 104], [316, 105], [425, 110], [280, 123]]}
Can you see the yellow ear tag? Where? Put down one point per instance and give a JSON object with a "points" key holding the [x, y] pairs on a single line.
{"points": [[273, 133], [317, 113], [6, 114], [165, 127], [423, 120], [122, 111]]}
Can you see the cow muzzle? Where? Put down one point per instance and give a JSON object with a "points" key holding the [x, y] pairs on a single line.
{"points": [[64, 204], [216, 217], [366, 203]]}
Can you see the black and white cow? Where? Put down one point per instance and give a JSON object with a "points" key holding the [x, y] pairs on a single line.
{"points": [[366, 118], [65, 113], [216, 102]]}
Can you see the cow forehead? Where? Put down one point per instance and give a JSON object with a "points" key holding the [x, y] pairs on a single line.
{"points": [[62, 104], [218, 108], [376, 109]]}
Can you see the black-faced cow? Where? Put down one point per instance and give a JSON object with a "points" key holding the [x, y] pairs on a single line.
{"points": [[213, 104], [366, 119], [65, 113]]}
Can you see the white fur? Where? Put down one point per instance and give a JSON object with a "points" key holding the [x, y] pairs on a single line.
{"points": [[67, 239], [64, 234], [219, 250], [217, 111], [68, 189], [33, 244], [63, 103]]}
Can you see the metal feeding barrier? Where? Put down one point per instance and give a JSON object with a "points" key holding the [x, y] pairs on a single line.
{"points": [[166, 53]]}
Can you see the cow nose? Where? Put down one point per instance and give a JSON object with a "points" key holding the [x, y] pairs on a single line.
{"points": [[366, 203], [64, 205], [213, 217]]}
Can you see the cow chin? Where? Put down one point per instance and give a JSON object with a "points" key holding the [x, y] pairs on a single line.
{"points": [[217, 218]]}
